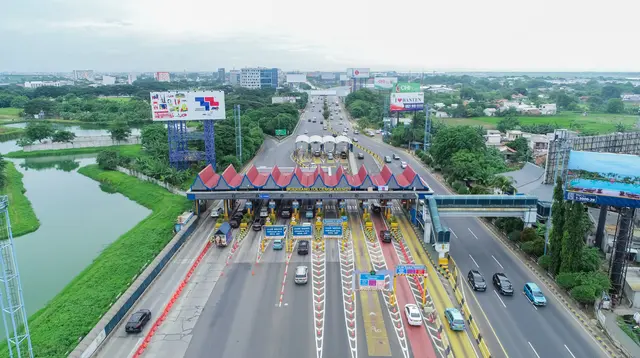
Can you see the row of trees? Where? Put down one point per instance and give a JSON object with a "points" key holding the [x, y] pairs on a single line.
{"points": [[43, 130]]}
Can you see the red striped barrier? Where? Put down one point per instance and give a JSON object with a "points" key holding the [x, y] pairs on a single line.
{"points": [[147, 339]]}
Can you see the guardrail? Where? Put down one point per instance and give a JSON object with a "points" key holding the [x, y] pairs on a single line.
{"points": [[92, 341]]}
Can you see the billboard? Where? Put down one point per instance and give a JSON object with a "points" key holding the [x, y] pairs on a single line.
{"points": [[296, 77], [406, 87], [406, 102], [278, 100], [603, 178], [328, 76], [187, 106], [384, 83], [344, 78], [358, 72]]}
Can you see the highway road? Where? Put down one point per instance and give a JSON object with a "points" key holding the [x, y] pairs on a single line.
{"points": [[523, 331]]}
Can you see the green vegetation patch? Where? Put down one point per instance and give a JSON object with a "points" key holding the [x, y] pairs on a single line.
{"points": [[23, 218], [130, 151], [72, 314], [593, 122], [9, 113]]}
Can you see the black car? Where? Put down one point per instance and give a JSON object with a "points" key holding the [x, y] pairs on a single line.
{"points": [[476, 280], [502, 283], [137, 321], [303, 247], [385, 235], [257, 224]]}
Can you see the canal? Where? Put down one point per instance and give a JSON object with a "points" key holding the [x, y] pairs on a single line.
{"points": [[78, 216]]}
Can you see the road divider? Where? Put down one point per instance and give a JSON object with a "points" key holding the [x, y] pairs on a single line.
{"points": [[347, 271], [147, 339]]}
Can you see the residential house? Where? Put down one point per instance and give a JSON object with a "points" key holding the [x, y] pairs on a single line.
{"points": [[513, 135], [548, 109], [440, 114], [630, 97], [518, 96], [439, 105], [489, 112]]}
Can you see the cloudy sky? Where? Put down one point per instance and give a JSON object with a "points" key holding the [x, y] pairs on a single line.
{"points": [[193, 35]]}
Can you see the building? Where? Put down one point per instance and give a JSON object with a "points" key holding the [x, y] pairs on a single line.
{"points": [[83, 75], [221, 74], [548, 109], [234, 77], [38, 84], [108, 80], [131, 78], [259, 77], [489, 112], [162, 76]]}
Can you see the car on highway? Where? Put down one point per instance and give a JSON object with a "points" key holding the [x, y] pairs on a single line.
{"points": [[356, 132], [216, 212], [264, 212], [334, 135], [137, 321], [476, 280], [330, 156], [301, 276], [235, 220], [303, 247], [360, 155], [502, 283], [306, 131], [396, 157], [455, 319], [385, 236], [316, 153], [257, 224], [403, 165], [344, 154], [355, 140], [387, 159], [534, 294], [414, 318], [278, 244]]}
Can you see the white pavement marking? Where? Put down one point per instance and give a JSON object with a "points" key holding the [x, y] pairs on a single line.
{"points": [[498, 262], [135, 348], [474, 235], [569, 350], [533, 349], [499, 298], [350, 308], [474, 261], [454, 234], [284, 279], [318, 280]]}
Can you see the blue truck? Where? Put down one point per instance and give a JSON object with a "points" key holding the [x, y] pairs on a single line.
{"points": [[223, 235]]}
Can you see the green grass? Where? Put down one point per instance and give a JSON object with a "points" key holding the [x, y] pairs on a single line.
{"points": [[130, 150], [596, 122], [72, 314], [634, 335], [117, 99], [9, 113], [23, 218]]}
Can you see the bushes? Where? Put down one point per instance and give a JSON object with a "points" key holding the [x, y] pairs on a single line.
{"points": [[534, 248], [23, 218], [584, 287], [544, 261]]}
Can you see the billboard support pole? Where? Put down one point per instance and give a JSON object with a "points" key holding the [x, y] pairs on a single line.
{"points": [[177, 135], [238, 124], [210, 142], [427, 129]]}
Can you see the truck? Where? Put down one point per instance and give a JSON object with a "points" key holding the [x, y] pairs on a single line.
{"points": [[223, 235]]}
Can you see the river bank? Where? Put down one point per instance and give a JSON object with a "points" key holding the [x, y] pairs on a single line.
{"points": [[72, 313], [23, 218], [124, 150]]}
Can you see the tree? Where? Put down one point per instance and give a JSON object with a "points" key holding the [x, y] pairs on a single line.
{"points": [[108, 159], [119, 131], [557, 228], [450, 140], [36, 105], [38, 131], [63, 136], [508, 123], [504, 184], [615, 105], [528, 234], [155, 142], [3, 173], [609, 91], [523, 151], [590, 260], [573, 239]]}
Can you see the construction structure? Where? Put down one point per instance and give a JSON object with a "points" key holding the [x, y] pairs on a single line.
{"points": [[14, 314]]}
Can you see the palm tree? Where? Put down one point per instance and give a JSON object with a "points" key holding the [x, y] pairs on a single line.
{"points": [[504, 184]]}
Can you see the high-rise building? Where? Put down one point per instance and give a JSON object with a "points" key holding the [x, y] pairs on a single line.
{"points": [[108, 80], [259, 77], [234, 77], [131, 78], [162, 76], [83, 75], [221, 74]]}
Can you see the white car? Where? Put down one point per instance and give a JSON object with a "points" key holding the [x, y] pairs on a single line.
{"points": [[306, 131], [403, 165], [356, 140], [414, 318], [217, 211]]}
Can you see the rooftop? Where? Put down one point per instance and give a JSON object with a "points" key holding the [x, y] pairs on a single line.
{"points": [[528, 180]]}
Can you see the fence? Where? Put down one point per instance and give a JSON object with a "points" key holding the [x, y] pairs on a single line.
{"points": [[91, 342]]}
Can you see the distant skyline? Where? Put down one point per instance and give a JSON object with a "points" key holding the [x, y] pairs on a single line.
{"points": [[198, 35]]}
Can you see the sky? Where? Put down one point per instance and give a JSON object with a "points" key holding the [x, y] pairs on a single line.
{"points": [[328, 35]]}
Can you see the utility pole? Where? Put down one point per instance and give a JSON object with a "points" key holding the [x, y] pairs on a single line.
{"points": [[238, 125], [427, 129]]}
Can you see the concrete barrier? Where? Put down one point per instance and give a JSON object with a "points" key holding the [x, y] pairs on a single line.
{"points": [[110, 320], [82, 142]]}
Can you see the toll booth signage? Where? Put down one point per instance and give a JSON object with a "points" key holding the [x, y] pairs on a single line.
{"points": [[418, 270], [300, 231], [332, 230], [264, 196], [332, 222], [368, 280], [275, 231]]}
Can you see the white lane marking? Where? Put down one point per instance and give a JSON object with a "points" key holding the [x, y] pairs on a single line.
{"points": [[569, 350], [454, 234], [533, 349], [135, 347], [500, 298], [474, 261], [498, 262], [474, 235]]}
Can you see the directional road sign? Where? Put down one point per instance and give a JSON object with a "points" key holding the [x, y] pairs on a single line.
{"points": [[333, 230], [281, 132], [264, 196], [411, 270], [302, 231], [368, 280], [275, 231], [333, 221]]}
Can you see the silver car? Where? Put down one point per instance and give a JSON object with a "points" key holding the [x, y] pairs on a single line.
{"points": [[301, 277]]}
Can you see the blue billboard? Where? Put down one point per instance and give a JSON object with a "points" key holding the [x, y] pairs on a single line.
{"points": [[333, 230], [603, 178], [411, 270], [302, 230], [275, 230], [368, 280]]}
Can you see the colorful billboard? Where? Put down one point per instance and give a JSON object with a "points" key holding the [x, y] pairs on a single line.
{"points": [[406, 102], [603, 178], [358, 72], [385, 83], [406, 87], [187, 106]]}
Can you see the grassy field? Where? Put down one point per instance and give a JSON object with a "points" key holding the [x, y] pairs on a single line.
{"points": [[10, 113], [131, 151], [23, 218], [74, 311], [596, 122], [117, 99]]}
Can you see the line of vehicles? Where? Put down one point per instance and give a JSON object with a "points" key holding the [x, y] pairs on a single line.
{"points": [[503, 285]]}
